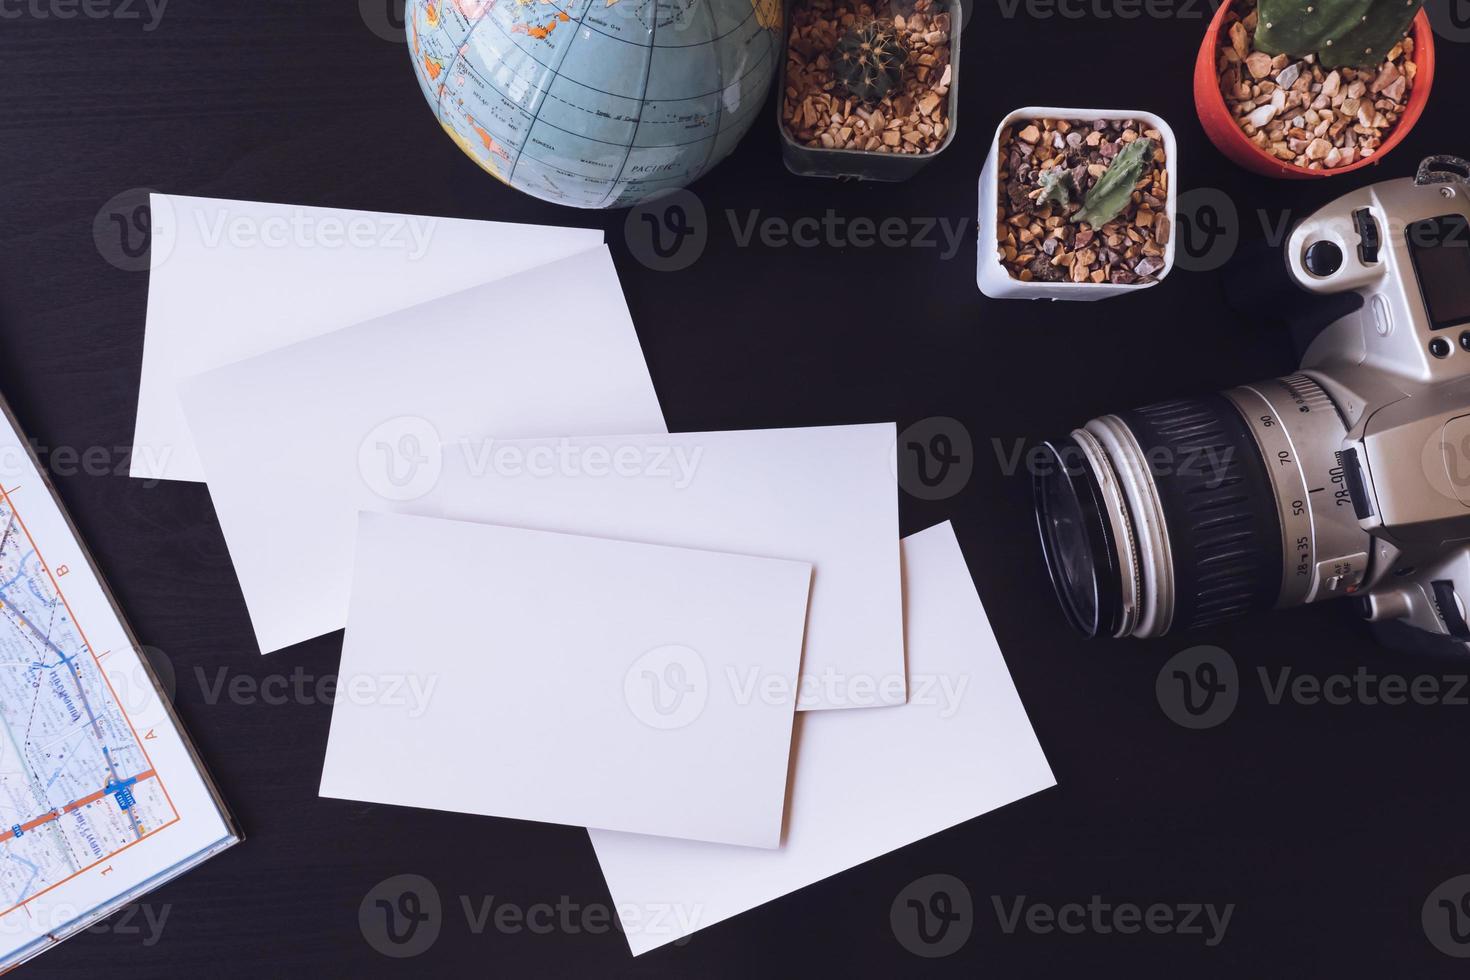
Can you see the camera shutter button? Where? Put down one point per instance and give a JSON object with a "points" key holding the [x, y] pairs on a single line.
{"points": [[1323, 259]]}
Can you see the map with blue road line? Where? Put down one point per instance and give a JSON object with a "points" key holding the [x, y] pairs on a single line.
{"points": [[76, 783]]}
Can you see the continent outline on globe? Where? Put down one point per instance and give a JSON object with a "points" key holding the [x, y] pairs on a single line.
{"points": [[595, 103]]}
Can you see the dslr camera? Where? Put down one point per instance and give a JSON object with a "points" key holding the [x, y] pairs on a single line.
{"points": [[1348, 479]]}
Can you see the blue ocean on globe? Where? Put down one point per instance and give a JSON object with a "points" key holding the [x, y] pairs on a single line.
{"points": [[595, 103]]}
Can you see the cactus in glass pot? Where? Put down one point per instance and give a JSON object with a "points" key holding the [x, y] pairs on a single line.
{"points": [[1341, 33], [870, 62]]}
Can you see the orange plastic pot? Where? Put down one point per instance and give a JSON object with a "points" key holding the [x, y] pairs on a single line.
{"points": [[1223, 130]]}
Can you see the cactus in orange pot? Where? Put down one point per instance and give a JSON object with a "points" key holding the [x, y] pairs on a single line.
{"points": [[1356, 33]]}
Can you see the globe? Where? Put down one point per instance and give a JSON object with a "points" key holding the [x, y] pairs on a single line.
{"points": [[595, 103]]}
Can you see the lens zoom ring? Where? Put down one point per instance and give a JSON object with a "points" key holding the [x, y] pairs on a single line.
{"points": [[1224, 535]]}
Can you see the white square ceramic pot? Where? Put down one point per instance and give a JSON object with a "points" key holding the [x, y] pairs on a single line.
{"points": [[995, 281]]}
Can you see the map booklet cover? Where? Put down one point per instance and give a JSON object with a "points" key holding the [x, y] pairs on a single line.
{"points": [[102, 797]]}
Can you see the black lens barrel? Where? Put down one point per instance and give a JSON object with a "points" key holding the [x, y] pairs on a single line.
{"points": [[1219, 507]]}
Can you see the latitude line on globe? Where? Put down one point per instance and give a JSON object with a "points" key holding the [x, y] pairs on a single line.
{"points": [[546, 92], [642, 104], [490, 84]]}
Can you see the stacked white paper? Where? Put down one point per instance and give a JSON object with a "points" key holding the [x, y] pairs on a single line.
{"points": [[232, 279], [297, 441], [822, 495], [556, 610], [864, 782], [567, 679]]}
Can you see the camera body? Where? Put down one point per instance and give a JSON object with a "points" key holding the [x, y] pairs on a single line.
{"points": [[1397, 371], [1349, 479]]}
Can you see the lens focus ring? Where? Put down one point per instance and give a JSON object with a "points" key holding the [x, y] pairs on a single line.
{"points": [[1219, 505], [1300, 435]]}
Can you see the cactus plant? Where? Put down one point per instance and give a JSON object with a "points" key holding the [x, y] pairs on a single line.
{"points": [[1114, 189], [1056, 187], [870, 62], [1341, 33]]}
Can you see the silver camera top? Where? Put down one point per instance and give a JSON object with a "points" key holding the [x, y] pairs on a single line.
{"points": [[1404, 246]]}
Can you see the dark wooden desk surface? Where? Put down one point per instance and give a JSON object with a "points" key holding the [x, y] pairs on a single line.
{"points": [[1325, 826]]}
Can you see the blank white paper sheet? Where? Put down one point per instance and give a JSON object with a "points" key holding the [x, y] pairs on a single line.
{"points": [[863, 783], [824, 495], [232, 279], [568, 680], [298, 440]]}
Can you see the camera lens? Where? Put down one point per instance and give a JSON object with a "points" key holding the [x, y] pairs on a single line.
{"points": [[1076, 540], [1191, 512], [1223, 540]]}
